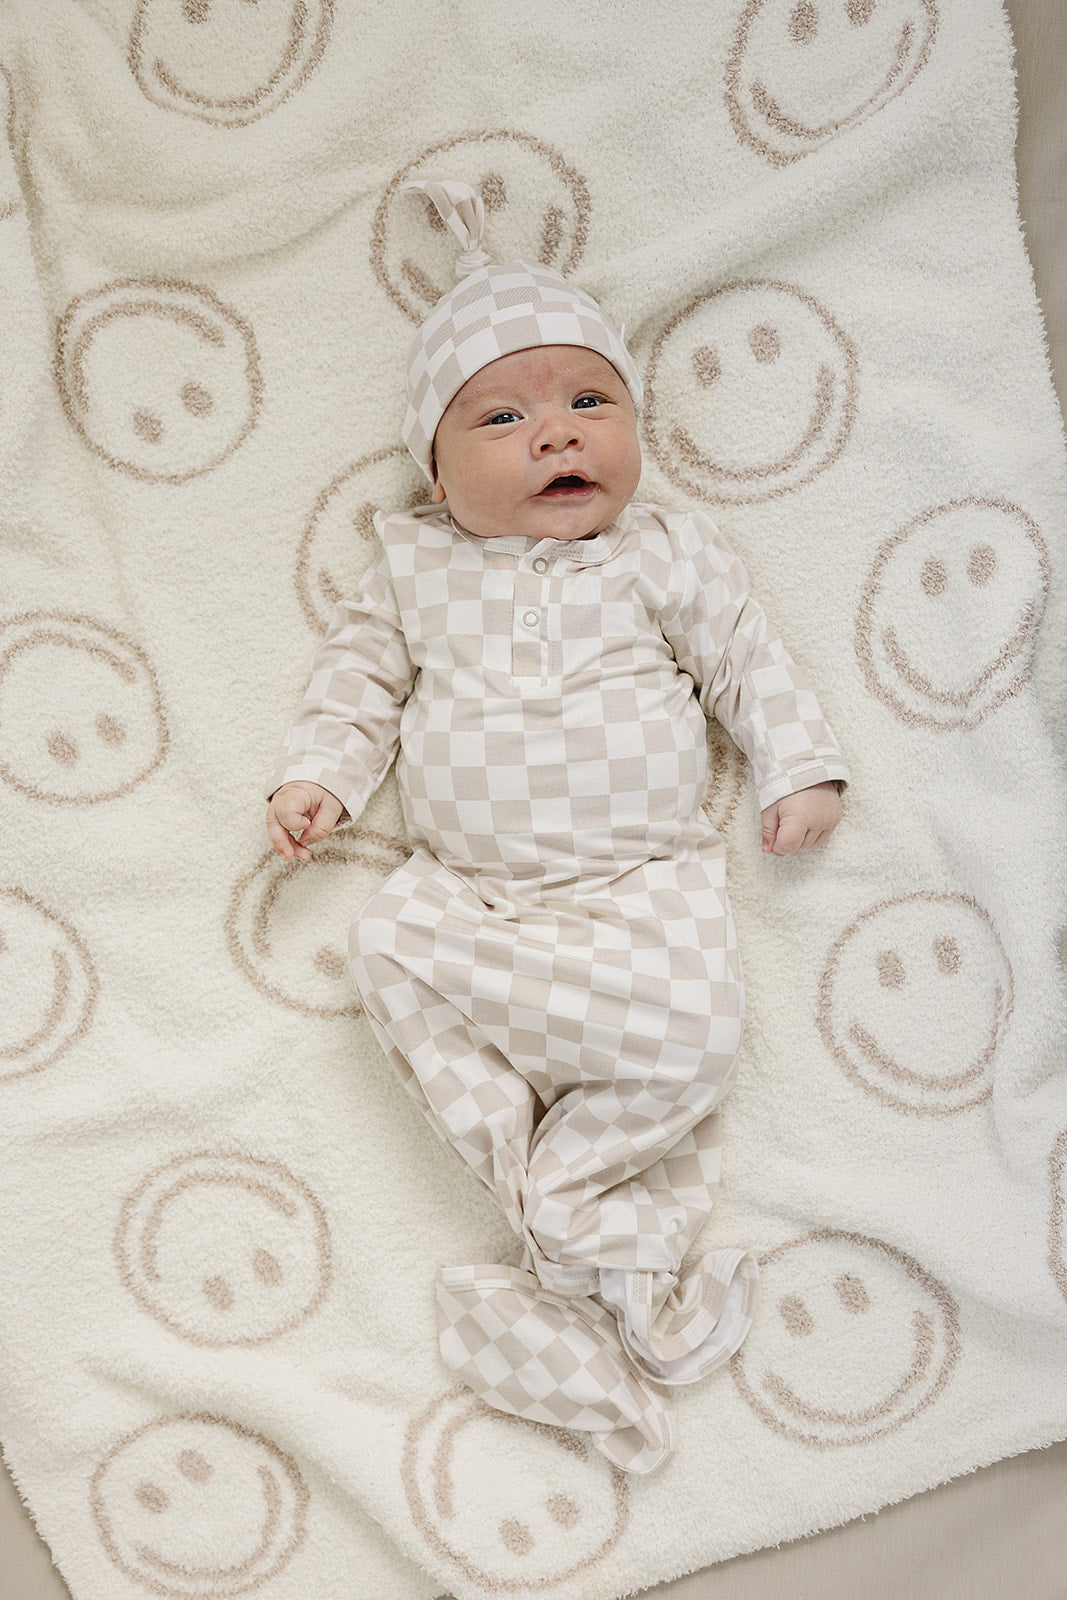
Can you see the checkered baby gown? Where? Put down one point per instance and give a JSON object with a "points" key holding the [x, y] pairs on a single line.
{"points": [[554, 972]]}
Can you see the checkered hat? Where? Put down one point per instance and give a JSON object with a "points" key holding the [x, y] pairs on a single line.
{"points": [[495, 309]]}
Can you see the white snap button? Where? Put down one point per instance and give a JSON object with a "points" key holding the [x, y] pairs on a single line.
{"points": [[531, 619], [540, 565]]}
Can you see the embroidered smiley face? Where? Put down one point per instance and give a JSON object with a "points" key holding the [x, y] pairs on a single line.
{"points": [[551, 1508], [803, 72], [197, 1508], [914, 1000], [949, 612], [287, 923], [339, 541], [161, 380], [224, 1250], [854, 1339], [536, 206], [227, 62], [81, 718], [48, 981], [751, 392]]}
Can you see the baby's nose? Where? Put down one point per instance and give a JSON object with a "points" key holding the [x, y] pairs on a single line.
{"points": [[559, 432]]}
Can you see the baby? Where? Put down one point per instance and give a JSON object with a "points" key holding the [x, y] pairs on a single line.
{"points": [[554, 972]]}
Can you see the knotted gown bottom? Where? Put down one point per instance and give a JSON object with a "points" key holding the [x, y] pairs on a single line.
{"points": [[573, 1047]]}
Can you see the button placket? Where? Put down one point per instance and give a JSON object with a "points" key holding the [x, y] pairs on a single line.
{"points": [[530, 643]]}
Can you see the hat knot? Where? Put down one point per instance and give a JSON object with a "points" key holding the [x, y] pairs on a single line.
{"points": [[461, 209]]}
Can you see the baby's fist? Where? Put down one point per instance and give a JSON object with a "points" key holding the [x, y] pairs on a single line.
{"points": [[305, 809], [802, 820]]}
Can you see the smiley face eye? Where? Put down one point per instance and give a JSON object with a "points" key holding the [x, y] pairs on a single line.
{"points": [[551, 235], [982, 564], [267, 1268], [218, 1293], [890, 969], [516, 1536], [859, 12], [196, 10], [947, 954], [147, 427], [329, 963], [796, 1316], [61, 748], [851, 1293], [706, 366], [110, 730], [191, 1465], [934, 578], [151, 1497], [764, 343], [493, 191], [803, 22], [562, 1509], [196, 399]]}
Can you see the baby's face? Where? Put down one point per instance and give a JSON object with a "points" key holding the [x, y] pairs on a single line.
{"points": [[541, 443]]}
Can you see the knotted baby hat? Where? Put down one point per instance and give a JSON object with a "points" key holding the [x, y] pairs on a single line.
{"points": [[495, 309]]}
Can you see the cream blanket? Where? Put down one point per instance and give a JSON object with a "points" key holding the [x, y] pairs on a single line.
{"points": [[222, 1214]]}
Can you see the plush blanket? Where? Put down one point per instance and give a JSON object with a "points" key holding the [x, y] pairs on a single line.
{"points": [[222, 1214]]}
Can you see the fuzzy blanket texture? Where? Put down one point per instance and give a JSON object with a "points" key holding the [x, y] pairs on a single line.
{"points": [[222, 1214]]}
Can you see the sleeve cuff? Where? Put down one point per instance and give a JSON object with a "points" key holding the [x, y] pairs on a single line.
{"points": [[779, 784]]}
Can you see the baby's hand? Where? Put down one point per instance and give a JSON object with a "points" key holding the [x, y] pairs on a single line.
{"points": [[801, 821], [302, 808]]}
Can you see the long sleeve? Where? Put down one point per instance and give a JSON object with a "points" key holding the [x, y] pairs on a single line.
{"points": [[346, 731], [743, 673]]}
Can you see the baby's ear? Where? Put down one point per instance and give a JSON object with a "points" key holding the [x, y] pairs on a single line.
{"points": [[438, 488]]}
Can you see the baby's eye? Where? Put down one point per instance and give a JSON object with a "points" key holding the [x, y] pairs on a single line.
{"points": [[503, 416], [585, 400]]}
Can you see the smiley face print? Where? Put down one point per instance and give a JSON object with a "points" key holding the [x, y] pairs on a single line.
{"points": [[949, 612], [551, 1508], [161, 380], [751, 392], [224, 1249], [854, 1338], [81, 718], [227, 62], [339, 541], [197, 1508], [803, 72], [914, 999], [49, 985], [536, 209], [287, 925]]}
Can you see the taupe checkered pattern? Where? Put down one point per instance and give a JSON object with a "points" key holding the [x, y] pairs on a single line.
{"points": [[552, 1360], [495, 309], [554, 972]]}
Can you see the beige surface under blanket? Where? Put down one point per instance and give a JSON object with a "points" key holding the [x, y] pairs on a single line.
{"points": [[985, 1534]]}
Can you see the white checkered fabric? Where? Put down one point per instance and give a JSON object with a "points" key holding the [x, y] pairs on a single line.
{"points": [[554, 972], [496, 309]]}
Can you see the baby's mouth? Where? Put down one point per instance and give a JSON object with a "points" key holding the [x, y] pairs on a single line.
{"points": [[569, 486]]}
